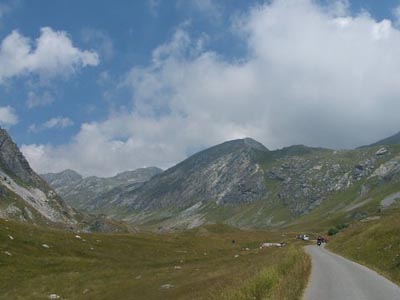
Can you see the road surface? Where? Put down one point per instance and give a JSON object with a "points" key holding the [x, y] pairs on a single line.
{"points": [[336, 278]]}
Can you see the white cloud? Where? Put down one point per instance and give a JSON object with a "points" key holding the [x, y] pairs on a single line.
{"points": [[53, 123], [153, 6], [58, 122], [100, 40], [312, 76], [396, 14], [8, 116], [209, 8], [33, 128], [35, 99], [4, 9], [53, 55]]}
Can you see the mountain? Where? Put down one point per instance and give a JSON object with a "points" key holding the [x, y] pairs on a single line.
{"points": [[242, 183], [25, 195], [392, 140], [84, 193], [226, 174]]}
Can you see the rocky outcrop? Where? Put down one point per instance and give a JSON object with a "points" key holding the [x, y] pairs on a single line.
{"points": [[388, 169]]}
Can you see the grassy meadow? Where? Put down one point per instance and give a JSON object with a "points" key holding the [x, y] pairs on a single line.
{"points": [[374, 243], [203, 263]]}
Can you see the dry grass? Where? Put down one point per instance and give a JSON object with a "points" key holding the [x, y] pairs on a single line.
{"points": [[135, 266], [284, 279], [375, 243]]}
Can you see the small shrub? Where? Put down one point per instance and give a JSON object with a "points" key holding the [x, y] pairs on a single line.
{"points": [[342, 226], [337, 228], [333, 231]]}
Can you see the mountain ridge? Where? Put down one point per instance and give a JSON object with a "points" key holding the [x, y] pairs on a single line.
{"points": [[242, 183], [391, 140], [81, 192]]}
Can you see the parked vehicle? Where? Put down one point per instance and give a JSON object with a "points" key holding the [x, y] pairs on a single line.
{"points": [[303, 237]]}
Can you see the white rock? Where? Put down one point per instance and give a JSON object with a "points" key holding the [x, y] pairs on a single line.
{"points": [[10, 237], [78, 237], [177, 267], [53, 296], [381, 151], [7, 253], [167, 286], [47, 247], [237, 255]]}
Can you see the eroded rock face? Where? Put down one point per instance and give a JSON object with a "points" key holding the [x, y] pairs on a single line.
{"points": [[244, 184], [226, 174], [13, 161], [24, 192]]}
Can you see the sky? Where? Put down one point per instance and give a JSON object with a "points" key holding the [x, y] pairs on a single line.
{"points": [[103, 87]]}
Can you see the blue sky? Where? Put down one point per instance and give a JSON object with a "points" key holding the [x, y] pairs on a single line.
{"points": [[105, 87]]}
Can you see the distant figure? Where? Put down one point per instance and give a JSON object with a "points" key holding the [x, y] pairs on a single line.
{"points": [[233, 242], [320, 240]]}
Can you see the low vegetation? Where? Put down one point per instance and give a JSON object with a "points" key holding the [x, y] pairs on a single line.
{"points": [[37, 262], [337, 229], [285, 279], [374, 242]]}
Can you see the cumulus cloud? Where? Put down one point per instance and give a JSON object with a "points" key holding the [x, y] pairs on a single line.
{"points": [[313, 75], [51, 54], [8, 116]]}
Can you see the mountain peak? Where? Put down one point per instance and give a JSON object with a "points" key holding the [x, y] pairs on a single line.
{"points": [[254, 144], [71, 173]]}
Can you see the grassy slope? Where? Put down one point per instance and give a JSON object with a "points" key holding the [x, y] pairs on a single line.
{"points": [[375, 243], [136, 266], [284, 279]]}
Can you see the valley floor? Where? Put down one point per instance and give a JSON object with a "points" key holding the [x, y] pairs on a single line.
{"points": [[204, 263]]}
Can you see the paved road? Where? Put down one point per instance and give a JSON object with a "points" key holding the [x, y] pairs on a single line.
{"points": [[336, 278]]}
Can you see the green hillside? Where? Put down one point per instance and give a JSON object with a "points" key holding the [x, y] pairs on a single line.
{"points": [[374, 242]]}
